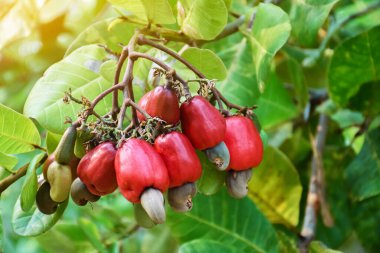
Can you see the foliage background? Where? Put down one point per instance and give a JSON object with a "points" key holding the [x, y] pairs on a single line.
{"points": [[297, 54]]}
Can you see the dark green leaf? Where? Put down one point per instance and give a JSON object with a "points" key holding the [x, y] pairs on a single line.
{"points": [[337, 196], [355, 62], [237, 223], [366, 220], [363, 174]]}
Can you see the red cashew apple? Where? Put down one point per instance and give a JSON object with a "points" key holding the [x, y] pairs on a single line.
{"points": [[161, 102], [138, 167], [243, 142], [202, 123], [97, 171], [180, 158]]}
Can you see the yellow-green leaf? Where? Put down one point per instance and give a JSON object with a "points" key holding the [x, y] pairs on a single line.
{"points": [[18, 134], [276, 189], [205, 19]]}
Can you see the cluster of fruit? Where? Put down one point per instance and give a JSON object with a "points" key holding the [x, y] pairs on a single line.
{"points": [[143, 171]]}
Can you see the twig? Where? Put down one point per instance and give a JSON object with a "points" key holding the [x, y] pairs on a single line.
{"points": [[144, 41], [316, 187], [228, 103], [103, 94], [9, 180], [166, 67]]}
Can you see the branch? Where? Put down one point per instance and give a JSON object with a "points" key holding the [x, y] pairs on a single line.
{"points": [[9, 180], [316, 186], [115, 102], [127, 82]]}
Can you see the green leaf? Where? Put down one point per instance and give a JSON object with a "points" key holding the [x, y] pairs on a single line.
{"points": [[298, 80], [52, 141], [270, 31], [237, 223], [239, 87], [346, 118], [65, 237], [363, 174], [205, 19], [92, 233], [275, 105], [8, 162], [212, 179], [335, 162], [151, 11], [79, 72], [29, 188], [104, 32], [33, 222], [356, 61], [366, 219], [206, 62], [319, 247], [359, 24], [307, 17], [276, 189], [159, 240], [18, 134], [210, 246], [159, 11], [368, 103], [288, 242]]}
